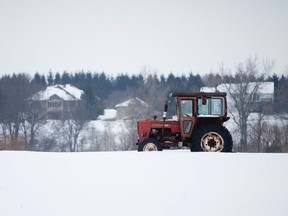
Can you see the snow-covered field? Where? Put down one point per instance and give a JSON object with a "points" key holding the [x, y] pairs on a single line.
{"points": [[130, 183]]}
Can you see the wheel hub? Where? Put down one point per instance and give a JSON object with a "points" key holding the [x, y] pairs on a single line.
{"points": [[212, 141], [150, 147]]}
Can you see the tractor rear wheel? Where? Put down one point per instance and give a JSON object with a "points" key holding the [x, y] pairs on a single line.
{"points": [[212, 138], [150, 145]]}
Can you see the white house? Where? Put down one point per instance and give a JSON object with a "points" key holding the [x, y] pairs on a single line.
{"points": [[58, 101]]}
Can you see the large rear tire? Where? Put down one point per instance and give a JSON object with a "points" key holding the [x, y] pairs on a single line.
{"points": [[212, 138], [150, 145]]}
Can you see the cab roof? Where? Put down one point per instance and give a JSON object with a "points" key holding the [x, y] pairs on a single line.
{"points": [[198, 94]]}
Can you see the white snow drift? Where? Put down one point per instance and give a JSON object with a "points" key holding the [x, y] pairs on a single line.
{"points": [[131, 183]]}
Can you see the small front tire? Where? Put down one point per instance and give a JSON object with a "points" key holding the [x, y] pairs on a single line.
{"points": [[150, 145]]}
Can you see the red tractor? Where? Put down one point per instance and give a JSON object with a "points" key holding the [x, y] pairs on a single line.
{"points": [[199, 125]]}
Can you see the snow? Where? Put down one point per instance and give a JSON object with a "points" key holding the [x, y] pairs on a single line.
{"points": [[116, 127], [96, 135], [174, 182], [207, 89], [66, 92], [208, 116], [109, 114]]}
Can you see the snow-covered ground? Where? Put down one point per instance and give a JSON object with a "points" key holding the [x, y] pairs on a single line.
{"points": [[130, 183], [109, 114]]}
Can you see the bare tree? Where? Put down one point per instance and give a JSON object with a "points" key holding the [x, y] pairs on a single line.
{"points": [[33, 119], [72, 132], [74, 125], [95, 139], [50, 140], [243, 89], [256, 132], [268, 133], [154, 94], [3, 137], [272, 138]]}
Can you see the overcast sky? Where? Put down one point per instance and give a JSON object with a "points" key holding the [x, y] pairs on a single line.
{"points": [[122, 36]]}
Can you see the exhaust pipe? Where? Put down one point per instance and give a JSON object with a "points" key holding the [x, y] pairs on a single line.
{"points": [[165, 111]]}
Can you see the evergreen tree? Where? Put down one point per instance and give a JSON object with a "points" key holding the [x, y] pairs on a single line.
{"points": [[162, 79], [122, 82], [274, 78], [93, 104], [50, 79], [43, 81], [170, 79], [57, 79], [89, 77], [133, 82], [65, 79], [39, 81], [103, 85], [194, 82], [281, 96]]}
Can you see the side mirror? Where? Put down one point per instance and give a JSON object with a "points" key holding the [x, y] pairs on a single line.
{"points": [[204, 100]]}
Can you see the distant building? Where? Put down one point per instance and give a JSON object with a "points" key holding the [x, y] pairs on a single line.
{"points": [[58, 101], [130, 109], [264, 96]]}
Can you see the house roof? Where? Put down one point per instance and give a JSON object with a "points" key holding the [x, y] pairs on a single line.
{"points": [[131, 102], [66, 92], [264, 87]]}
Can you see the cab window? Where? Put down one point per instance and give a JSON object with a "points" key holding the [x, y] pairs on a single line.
{"points": [[217, 106], [203, 109], [213, 106], [187, 107]]}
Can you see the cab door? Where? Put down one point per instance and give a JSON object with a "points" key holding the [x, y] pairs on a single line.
{"points": [[186, 116]]}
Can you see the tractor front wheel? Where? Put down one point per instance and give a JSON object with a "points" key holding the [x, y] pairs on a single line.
{"points": [[150, 145]]}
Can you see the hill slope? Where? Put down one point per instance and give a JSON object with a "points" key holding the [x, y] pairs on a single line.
{"points": [[132, 183]]}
